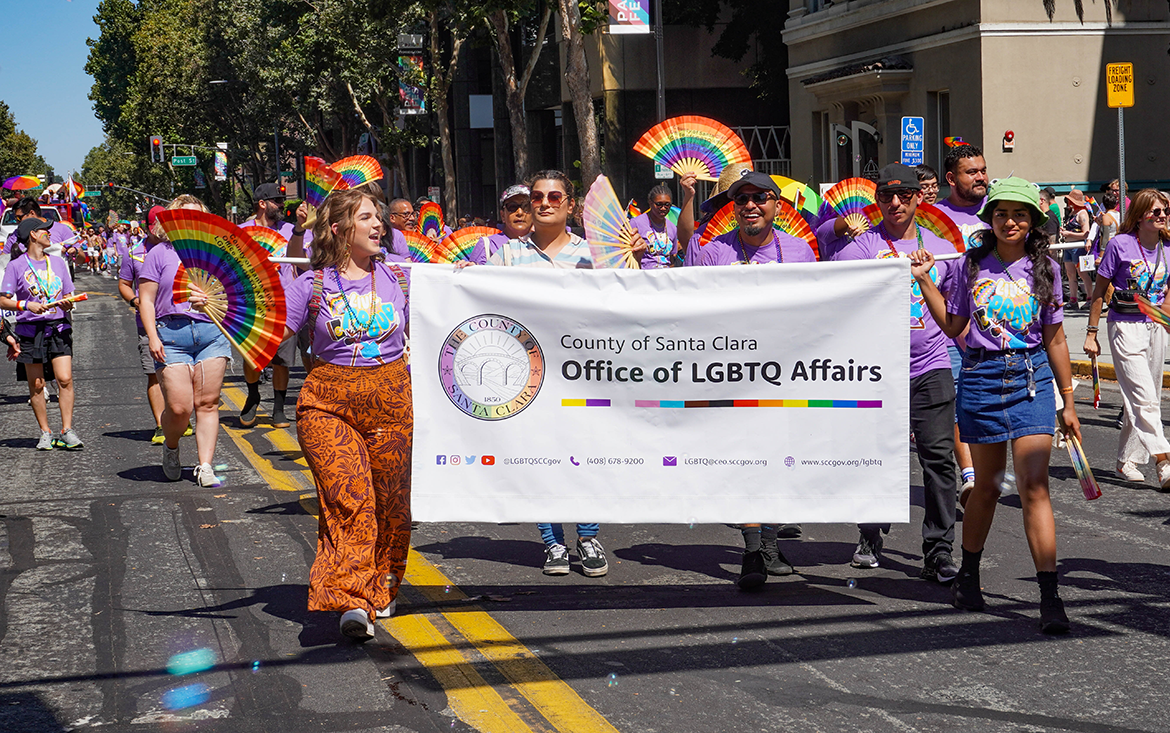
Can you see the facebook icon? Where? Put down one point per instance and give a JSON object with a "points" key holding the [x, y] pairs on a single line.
{"points": [[440, 460]]}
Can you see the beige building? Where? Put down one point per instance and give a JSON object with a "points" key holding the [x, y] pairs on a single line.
{"points": [[976, 69]]}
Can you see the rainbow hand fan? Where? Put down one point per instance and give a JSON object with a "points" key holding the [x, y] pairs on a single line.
{"points": [[607, 229], [358, 169], [802, 197], [270, 239], [849, 198], [790, 221], [420, 248], [930, 218], [320, 180], [430, 220], [1155, 314], [693, 144], [721, 223], [245, 297], [1081, 466], [1096, 385], [459, 245]]}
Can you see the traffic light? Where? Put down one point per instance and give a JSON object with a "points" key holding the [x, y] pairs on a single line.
{"points": [[156, 150], [108, 188], [282, 190]]}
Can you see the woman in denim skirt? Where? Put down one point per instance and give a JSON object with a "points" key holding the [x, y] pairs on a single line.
{"points": [[1009, 290]]}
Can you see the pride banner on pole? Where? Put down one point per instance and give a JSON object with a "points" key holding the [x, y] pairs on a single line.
{"points": [[777, 393], [628, 16]]}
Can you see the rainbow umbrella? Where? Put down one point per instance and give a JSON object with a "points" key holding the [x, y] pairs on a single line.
{"points": [[22, 183], [802, 197]]}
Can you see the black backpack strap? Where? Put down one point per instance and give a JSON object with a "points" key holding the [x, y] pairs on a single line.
{"points": [[315, 303]]}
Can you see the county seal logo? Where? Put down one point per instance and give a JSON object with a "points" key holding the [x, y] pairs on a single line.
{"points": [[491, 367]]}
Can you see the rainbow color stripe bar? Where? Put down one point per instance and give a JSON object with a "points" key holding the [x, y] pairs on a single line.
{"points": [[585, 403], [865, 404]]}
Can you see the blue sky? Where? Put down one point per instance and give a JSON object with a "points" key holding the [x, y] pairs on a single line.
{"points": [[51, 52]]}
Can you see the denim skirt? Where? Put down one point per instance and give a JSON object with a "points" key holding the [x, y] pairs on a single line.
{"points": [[1003, 395]]}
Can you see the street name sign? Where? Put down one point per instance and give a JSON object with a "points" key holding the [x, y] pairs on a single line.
{"points": [[184, 160]]}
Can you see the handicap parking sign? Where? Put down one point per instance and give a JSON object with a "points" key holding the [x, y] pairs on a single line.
{"points": [[913, 140]]}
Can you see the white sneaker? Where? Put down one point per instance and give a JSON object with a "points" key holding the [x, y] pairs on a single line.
{"points": [[206, 477], [355, 623], [1129, 472], [171, 466], [388, 611], [1164, 474], [965, 493]]}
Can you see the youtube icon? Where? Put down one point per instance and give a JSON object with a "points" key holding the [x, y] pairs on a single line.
{"points": [[489, 460]]}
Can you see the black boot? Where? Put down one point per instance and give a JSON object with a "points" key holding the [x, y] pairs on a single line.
{"points": [[1053, 619], [774, 560], [965, 591], [753, 573]]}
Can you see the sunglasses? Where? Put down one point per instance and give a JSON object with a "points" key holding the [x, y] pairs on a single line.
{"points": [[513, 206], [758, 197], [904, 195], [554, 198], [1159, 212]]}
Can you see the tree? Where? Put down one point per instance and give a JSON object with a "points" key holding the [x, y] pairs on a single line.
{"points": [[18, 151], [577, 78], [442, 74], [112, 61], [500, 21]]}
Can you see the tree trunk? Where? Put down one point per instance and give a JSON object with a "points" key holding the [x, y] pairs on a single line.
{"points": [[441, 85], [577, 78], [516, 85]]}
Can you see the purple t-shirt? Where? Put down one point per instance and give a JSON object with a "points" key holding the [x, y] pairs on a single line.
{"points": [[726, 249], [43, 282], [1127, 264], [966, 219], [481, 253], [398, 251], [160, 266], [130, 270], [694, 254], [661, 246], [827, 240], [339, 336], [928, 343], [1000, 305]]}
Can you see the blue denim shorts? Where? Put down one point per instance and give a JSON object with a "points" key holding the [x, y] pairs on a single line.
{"points": [[186, 341], [994, 403]]}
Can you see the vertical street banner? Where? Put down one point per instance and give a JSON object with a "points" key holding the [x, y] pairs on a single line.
{"points": [[411, 99], [777, 393], [629, 16], [220, 165]]}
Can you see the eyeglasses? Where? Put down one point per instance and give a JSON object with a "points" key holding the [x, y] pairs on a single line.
{"points": [[660, 204], [1159, 212], [759, 197], [554, 198], [513, 206], [904, 195], [930, 187], [403, 214]]}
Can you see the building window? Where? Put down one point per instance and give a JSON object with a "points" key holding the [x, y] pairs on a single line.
{"points": [[938, 127], [813, 6]]}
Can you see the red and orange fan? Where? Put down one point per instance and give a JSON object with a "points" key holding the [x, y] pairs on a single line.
{"points": [[929, 217]]}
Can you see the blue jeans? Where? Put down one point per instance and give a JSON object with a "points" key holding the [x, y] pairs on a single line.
{"points": [[187, 341], [554, 534], [998, 402]]}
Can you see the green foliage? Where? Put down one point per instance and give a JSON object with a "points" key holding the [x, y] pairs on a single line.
{"points": [[18, 151], [594, 15], [112, 61]]}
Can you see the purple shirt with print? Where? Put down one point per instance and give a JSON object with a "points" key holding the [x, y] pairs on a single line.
{"points": [[339, 336], [661, 245], [726, 249], [928, 343], [130, 270], [1127, 264], [160, 266], [1000, 305], [43, 282], [966, 219]]}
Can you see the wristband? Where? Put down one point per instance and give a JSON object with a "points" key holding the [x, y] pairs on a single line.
{"points": [[22, 305], [1092, 329], [1066, 390], [298, 232]]}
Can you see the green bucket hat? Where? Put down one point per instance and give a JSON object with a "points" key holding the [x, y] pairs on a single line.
{"points": [[1014, 189]]}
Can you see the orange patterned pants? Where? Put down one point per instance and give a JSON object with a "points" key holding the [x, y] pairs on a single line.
{"points": [[355, 426]]}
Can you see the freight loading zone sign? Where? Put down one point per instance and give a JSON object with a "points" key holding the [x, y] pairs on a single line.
{"points": [[1119, 85]]}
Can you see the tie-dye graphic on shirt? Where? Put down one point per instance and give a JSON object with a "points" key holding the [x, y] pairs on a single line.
{"points": [[44, 285], [1004, 309], [1139, 279], [350, 328], [918, 310]]}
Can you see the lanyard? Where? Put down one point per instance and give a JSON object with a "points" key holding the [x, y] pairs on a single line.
{"points": [[743, 258], [41, 283], [890, 243], [1007, 271], [1157, 262]]}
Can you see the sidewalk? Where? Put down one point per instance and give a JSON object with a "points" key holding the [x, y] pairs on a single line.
{"points": [[1075, 322]]}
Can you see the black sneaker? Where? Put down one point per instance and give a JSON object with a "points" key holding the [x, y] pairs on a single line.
{"points": [[592, 555], [1053, 619], [774, 561], [965, 591], [556, 560], [940, 567], [248, 414], [869, 551], [789, 531], [754, 572]]}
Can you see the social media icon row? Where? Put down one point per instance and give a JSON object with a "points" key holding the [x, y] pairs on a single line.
{"points": [[455, 460]]}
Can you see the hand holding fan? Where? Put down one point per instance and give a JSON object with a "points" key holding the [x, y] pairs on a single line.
{"points": [[270, 239], [607, 229], [430, 220], [74, 298], [693, 144], [320, 181], [849, 198], [244, 297], [358, 169]]}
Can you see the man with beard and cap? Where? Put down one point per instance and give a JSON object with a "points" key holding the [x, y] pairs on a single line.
{"points": [[754, 241], [966, 173], [932, 387], [269, 213]]}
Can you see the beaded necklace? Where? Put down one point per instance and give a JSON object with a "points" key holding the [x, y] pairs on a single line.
{"points": [[349, 308], [743, 256]]}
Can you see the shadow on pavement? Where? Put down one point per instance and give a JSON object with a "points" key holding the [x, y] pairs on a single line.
{"points": [[26, 711]]}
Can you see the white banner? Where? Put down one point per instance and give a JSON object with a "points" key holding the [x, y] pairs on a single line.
{"points": [[777, 393]]}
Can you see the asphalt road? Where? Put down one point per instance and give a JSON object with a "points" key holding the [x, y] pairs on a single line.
{"points": [[107, 573]]}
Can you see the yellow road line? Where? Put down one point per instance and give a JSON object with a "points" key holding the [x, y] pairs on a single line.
{"points": [[474, 701], [555, 700]]}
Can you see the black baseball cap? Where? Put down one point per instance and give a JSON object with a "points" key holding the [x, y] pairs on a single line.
{"points": [[268, 192], [898, 177], [28, 225], [753, 178]]}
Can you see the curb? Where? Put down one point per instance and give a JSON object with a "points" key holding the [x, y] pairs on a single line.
{"points": [[1084, 368]]}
